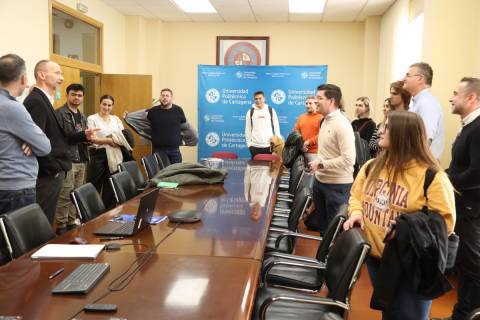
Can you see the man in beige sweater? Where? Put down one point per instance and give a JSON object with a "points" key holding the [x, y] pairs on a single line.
{"points": [[333, 166]]}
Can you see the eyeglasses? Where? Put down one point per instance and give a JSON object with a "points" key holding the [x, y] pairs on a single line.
{"points": [[407, 75]]}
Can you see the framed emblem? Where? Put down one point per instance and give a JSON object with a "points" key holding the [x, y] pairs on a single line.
{"points": [[240, 51]]}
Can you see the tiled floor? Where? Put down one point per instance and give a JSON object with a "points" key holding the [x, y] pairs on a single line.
{"points": [[360, 299]]}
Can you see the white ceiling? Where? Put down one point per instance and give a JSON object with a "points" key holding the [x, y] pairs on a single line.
{"points": [[252, 10]]}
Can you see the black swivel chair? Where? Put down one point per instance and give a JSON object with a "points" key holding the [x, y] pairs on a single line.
{"points": [[25, 229], [135, 172], [277, 270], [123, 186], [88, 202], [151, 166], [342, 271]]}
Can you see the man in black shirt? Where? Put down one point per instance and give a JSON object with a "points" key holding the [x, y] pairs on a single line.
{"points": [[74, 124], [165, 120], [464, 173]]}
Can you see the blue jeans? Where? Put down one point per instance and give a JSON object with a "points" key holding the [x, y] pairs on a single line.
{"points": [[407, 305], [173, 154], [11, 200], [328, 198], [14, 199]]}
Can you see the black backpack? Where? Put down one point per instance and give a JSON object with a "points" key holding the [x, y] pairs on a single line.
{"points": [[362, 153]]}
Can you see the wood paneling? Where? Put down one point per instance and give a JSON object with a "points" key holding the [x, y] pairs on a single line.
{"points": [[70, 75], [131, 93]]}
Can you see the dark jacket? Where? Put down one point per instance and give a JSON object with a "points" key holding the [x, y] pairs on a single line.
{"points": [[292, 148], [77, 140], [44, 116], [417, 253]]}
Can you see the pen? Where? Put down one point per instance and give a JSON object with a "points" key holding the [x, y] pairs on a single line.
{"points": [[56, 273]]}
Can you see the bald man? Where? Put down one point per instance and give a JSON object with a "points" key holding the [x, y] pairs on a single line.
{"points": [[52, 167]]}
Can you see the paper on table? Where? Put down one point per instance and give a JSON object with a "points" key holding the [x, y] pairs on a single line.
{"points": [[68, 251]]}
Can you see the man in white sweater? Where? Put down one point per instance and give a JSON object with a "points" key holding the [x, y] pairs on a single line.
{"points": [[335, 159], [260, 126]]}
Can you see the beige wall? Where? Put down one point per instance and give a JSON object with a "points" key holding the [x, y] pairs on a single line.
{"points": [[338, 45], [451, 44], [28, 21]]}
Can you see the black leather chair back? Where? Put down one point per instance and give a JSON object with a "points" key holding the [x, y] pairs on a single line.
{"points": [[162, 159], [27, 228], [135, 173], [344, 262], [296, 174], [151, 165], [123, 186], [88, 202], [333, 230]]}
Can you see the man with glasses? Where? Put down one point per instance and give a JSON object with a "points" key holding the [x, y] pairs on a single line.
{"points": [[333, 166], [418, 81]]}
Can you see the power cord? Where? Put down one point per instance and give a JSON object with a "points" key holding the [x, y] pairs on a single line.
{"points": [[127, 276]]}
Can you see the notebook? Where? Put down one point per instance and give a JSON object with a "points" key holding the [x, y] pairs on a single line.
{"points": [[68, 251], [129, 228]]}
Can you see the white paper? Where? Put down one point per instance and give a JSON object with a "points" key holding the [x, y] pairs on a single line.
{"points": [[68, 251]]}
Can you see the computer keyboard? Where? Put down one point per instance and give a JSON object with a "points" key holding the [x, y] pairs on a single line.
{"points": [[83, 278], [117, 228]]}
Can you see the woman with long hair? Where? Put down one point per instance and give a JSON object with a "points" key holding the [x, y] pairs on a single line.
{"points": [[375, 199], [98, 171], [364, 125]]}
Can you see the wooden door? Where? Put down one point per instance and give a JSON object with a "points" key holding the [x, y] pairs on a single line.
{"points": [[131, 93], [70, 75]]}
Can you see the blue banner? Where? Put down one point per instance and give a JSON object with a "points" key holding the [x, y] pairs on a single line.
{"points": [[225, 94]]}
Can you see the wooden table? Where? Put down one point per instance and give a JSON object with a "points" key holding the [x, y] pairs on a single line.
{"points": [[206, 270]]}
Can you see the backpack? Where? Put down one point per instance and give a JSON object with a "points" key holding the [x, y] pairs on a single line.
{"points": [[362, 153], [271, 117]]}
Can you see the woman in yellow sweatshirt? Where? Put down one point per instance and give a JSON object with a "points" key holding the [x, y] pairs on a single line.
{"points": [[393, 185]]}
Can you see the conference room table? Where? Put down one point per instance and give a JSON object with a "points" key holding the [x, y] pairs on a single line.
{"points": [[203, 270]]}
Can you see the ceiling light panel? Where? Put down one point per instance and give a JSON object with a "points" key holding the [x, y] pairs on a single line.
{"points": [[195, 6]]}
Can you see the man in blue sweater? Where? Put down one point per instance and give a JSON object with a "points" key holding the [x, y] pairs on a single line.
{"points": [[21, 140]]}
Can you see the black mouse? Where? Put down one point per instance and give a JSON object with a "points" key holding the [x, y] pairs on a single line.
{"points": [[78, 240]]}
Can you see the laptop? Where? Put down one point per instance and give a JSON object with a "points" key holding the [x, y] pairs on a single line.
{"points": [[142, 219]]}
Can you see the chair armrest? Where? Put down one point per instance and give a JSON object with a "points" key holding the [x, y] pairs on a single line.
{"points": [[282, 199], [278, 214], [269, 266], [296, 235], [293, 257], [284, 210], [276, 229], [310, 300]]}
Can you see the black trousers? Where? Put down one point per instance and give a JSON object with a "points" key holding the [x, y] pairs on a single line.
{"points": [[48, 190], [98, 175], [468, 257]]}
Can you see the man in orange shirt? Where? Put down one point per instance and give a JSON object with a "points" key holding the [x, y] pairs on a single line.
{"points": [[308, 124]]}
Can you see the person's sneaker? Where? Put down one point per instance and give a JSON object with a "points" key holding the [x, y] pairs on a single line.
{"points": [[60, 231]]}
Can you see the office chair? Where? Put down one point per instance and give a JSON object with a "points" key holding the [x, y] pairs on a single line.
{"points": [[224, 155], [474, 315], [135, 173], [87, 201], [150, 165], [266, 157], [25, 229], [276, 273], [162, 159], [342, 271], [123, 186]]}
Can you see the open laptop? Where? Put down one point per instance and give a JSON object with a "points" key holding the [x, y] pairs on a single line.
{"points": [[144, 214]]}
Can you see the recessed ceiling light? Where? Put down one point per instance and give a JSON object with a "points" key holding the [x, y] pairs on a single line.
{"points": [[195, 6], [306, 6]]}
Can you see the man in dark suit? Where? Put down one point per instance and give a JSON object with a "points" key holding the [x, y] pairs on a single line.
{"points": [[52, 167]]}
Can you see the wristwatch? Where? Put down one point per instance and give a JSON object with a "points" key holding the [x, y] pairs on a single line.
{"points": [[320, 165]]}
